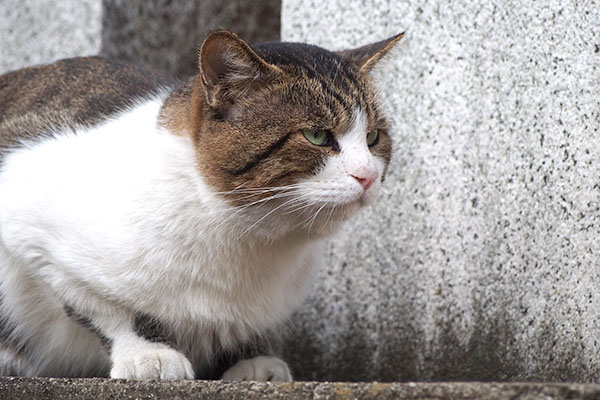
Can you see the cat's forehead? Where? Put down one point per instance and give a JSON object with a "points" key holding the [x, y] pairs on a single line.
{"points": [[331, 73], [303, 55]]}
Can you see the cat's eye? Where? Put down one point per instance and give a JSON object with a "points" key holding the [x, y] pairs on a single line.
{"points": [[372, 138], [318, 137]]}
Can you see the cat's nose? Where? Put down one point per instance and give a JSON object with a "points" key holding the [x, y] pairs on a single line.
{"points": [[366, 177]]}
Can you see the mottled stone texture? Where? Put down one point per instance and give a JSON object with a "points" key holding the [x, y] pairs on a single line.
{"points": [[162, 34], [482, 259], [39, 31], [104, 389], [166, 35]]}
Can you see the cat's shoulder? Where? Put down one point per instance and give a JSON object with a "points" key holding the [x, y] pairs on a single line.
{"points": [[78, 91], [100, 80]]}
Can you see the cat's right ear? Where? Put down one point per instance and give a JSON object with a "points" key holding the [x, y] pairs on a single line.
{"points": [[229, 67], [366, 57]]}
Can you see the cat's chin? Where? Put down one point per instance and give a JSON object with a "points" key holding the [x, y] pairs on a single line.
{"points": [[331, 217], [321, 219], [363, 200], [343, 211]]}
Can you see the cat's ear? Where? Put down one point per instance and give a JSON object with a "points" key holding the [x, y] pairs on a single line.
{"points": [[367, 56], [229, 67]]}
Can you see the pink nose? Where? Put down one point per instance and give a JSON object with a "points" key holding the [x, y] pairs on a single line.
{"points": [[366, 178]]}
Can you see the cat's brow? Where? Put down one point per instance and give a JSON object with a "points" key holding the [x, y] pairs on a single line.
{"points": [[330, 89], [312, 73], [337, 74]]}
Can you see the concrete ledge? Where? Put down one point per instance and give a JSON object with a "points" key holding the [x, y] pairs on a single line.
{"points": [[100, 389]]}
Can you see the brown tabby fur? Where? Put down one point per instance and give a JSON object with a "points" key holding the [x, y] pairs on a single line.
{"points": [[69, 93], [245, 111]]}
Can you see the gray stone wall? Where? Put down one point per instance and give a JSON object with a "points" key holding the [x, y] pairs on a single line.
{"points": [[481, 261], [163, 35], [39, 31], [166, 35]]}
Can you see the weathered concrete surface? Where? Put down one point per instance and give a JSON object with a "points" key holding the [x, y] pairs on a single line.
{"points": [[482, 259], [159, 34], [167, 36], [39, 31], [104, 389]]}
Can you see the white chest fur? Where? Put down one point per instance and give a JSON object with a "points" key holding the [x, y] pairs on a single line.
{"points": [[120, 212]]}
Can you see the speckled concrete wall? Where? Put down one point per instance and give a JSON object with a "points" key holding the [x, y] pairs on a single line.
{"points": [[482, 259], [164, 35], [167, 35], [38, 31]]}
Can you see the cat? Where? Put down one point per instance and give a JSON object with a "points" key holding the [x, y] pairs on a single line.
{"points": [[160, 230]]}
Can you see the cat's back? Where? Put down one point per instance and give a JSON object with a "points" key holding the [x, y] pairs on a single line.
{"points": [[69, 93]]}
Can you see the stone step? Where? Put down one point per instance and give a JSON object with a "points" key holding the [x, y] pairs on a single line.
{"points": [[101, 389]]}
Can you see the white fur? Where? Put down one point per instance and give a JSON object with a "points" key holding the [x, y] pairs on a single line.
{"points": [[335, 192], [117, 219], [135, 358], [259, 368]]}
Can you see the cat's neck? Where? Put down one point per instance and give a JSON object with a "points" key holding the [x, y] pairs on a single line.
{"points": [[181, 113]]}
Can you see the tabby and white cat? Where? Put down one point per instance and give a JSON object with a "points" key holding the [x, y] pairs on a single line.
{"points": [[157, 231]]}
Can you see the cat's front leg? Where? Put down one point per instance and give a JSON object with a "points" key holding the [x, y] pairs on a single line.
{"points": [[261, 368], [132, 356]]}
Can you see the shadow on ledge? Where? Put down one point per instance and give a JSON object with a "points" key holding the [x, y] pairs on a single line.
{"points": [[100, 389]]}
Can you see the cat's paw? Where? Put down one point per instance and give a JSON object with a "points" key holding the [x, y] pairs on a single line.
{"points": [[154, 362], [260, 368]]}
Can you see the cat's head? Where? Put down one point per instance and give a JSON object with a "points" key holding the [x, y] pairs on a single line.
{"points": [[292, 126]]}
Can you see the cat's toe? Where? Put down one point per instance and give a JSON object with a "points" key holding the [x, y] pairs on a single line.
{"points": [[260, 368], [154, 363]]}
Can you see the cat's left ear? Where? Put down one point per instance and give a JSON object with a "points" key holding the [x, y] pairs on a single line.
{"points": [[367, 56], [229, 67]]}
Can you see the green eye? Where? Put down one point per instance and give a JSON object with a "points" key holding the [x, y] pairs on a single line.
{"points": [[317, 137], [372, 138]]}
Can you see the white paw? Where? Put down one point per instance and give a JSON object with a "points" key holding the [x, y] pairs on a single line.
{"points": [[260, 368], [152, 362]]}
